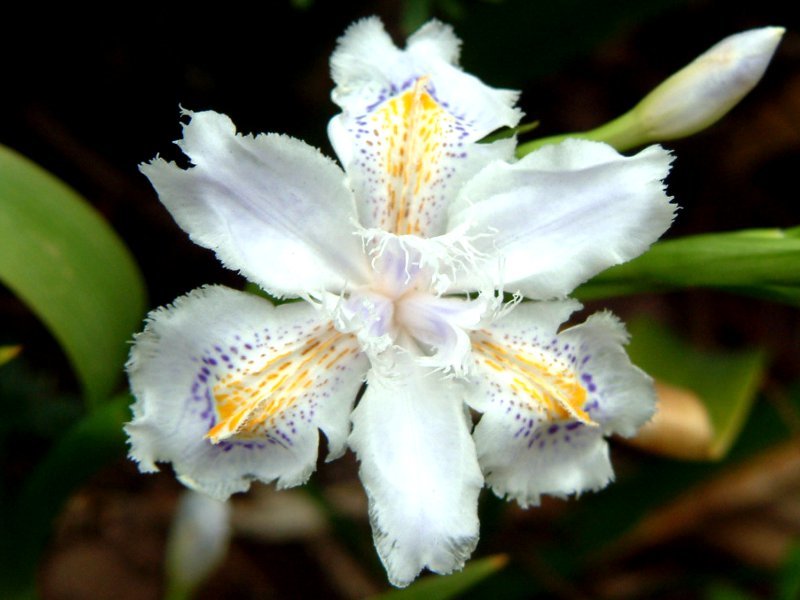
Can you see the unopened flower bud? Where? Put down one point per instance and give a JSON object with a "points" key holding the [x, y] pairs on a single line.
{"points": [[198, 541], [703, 91], [690, 100]]}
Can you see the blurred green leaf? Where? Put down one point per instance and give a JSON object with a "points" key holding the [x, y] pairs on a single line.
{"points": [[252, 288], [509, 42], [33, 408], [726, 382], [725, 591], [789, 581], [437, 587], [414, 14], [64, 261], [8, 353], [90, 444], [507, 132], [757, 262]]}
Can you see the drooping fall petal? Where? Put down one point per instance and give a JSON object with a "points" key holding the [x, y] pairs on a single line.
{"points": [[548, 399], [412, 436], [230, 389]]}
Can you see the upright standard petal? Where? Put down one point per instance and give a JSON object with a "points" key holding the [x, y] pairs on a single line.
{"points": [[563, 214], [270, 206], [410, 120], [411, 434], [230, 389], [548, 399], [368, 69]]}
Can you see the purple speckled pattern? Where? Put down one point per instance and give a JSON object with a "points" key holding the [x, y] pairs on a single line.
{"points": [[423, 180], [244, 357], [530, 421]]}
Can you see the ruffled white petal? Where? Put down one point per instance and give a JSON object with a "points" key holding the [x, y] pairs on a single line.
{"points": [[270, 206], [549, 398], [368, 69], [410, 120], [435, 39], [230, 389], [624, 394], [554, 459], [563, 214], [411, 434]]}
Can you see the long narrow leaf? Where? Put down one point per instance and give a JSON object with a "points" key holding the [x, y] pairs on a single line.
{"points": [[759, 262], [436, 587], [64, 261], [8, 353]]}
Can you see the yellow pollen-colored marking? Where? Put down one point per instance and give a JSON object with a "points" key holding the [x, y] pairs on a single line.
{"points": [[492, 364], [245, 400], [337, 358], [412, 123], [309, 347], [551, 386], [279, 384]]}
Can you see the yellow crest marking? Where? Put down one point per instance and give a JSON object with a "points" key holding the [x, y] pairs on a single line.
{"points": [[412, 126], [248, 398], [545, 384]]}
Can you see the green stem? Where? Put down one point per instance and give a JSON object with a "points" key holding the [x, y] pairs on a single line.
{"points": [[623, 133]]}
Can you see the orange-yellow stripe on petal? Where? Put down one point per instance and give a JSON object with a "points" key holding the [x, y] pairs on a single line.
{"points": [[542, 383], [248, 400], [416, 132]]}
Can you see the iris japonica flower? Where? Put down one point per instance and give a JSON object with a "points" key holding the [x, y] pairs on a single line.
{"points": [[403, 255]]}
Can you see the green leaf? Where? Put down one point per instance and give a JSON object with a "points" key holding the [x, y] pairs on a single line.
{"points": [[438, 587], [90, 444], [64, 261], [507, 132], [509, 42], [726, 382], [414, 14], [8, 353], [757, 262], [726, 591], [789, 580]]}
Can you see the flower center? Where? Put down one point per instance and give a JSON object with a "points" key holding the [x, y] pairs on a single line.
{"points": [[404, 304]]}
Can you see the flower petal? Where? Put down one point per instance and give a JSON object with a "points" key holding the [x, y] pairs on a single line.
{"points": [[368, 69], [230, 389], [548, 399], [409, 122], [418, 465], [624, 393], [270, 206], [563, 214]]}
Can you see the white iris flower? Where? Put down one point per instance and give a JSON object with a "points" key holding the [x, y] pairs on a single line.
{"points": [[402, 259]]}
